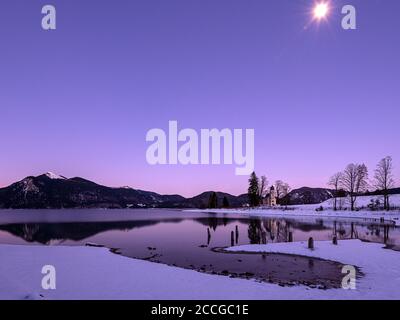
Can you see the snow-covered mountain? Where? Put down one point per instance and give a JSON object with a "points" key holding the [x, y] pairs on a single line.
{"points": [[51, 190]]}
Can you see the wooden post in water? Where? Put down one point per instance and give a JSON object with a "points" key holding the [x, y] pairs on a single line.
{"points": [[237, 234], [334, 240], [232, 238], [311, 243], [290, 236], [208, 235]]}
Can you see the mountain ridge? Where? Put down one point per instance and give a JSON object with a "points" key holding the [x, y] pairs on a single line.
{"points": [[53, 191]]}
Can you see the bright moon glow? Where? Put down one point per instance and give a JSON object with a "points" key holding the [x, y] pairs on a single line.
{"points": [[321, 10]]}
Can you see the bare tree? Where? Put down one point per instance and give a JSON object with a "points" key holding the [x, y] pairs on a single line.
{"points": [[281, 189], [335, 182], [278, 188], [362, 179], [285, 189], [354, 181], [383, 179], [262, 186]]}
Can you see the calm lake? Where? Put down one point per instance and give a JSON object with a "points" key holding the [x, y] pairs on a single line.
{"points": [[193, 240]]}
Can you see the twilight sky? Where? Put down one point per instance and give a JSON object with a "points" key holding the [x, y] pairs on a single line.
{"points": [[79, 101]]}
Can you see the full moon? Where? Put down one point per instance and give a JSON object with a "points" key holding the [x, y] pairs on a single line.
{"points": [[321, 10]]}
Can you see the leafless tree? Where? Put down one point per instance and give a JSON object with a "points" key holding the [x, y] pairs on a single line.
{"points": [[262, 186], [281, 189], [354, 181], [362, 178], [278, 188], [383, 179], [285, 189], [335, 182]]}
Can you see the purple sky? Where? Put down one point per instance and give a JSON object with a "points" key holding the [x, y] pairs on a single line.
{"points": [[78, 101]]}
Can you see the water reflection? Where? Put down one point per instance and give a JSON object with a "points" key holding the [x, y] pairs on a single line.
{"points": [[45, 233], [258, 230], [262, 231]]}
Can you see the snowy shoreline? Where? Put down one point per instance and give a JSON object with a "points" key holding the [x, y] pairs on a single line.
{"points": [[391, 217], [96, 273], [380, 266], [312, 210]]}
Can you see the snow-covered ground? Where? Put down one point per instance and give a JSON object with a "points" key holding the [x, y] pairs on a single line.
{"points": [[380, 266], [362, 202], [309, 210], [95, 273]]}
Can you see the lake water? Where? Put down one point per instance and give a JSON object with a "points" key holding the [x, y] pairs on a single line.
{"points": [[193, 240]]}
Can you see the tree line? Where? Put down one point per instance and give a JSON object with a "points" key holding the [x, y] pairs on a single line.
{"points": [[258, 189], [353, 181], [213, 201]]}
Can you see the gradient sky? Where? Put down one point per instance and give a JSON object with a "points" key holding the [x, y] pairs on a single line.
{"points": [[79, 101]]}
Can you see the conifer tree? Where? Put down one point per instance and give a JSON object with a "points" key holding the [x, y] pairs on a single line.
{"points": [[253, 191]]}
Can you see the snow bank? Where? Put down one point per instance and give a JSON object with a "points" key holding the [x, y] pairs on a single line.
{"points": [[380, 266], [362, 202], [95, 273]]}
